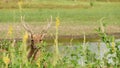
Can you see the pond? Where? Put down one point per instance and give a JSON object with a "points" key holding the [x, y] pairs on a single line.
{"points": [[97, 47]]}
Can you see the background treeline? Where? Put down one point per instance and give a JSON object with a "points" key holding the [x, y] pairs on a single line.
{"points": [[58, 0], [50, 3]]}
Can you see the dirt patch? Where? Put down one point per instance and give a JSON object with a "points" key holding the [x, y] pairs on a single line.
{"points": [[66, 33], [63, 29]]}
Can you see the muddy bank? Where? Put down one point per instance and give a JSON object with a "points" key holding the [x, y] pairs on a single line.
{"points": [[72, 38], [79, 38]]}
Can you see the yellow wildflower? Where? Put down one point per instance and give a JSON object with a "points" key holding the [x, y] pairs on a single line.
{"points": [[10, 30], [20, 4], [6, 60], [38, 63], [113, 46], [57, 22], [56, 55], [25, 37]]}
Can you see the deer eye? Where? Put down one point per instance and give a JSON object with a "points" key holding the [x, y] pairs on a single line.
{"points": [[40, 40]]}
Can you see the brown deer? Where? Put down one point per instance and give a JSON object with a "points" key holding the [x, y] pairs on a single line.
{"points": [[34, 39]]}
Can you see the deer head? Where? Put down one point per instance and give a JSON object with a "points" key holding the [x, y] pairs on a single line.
{"points": [[35, 38]]}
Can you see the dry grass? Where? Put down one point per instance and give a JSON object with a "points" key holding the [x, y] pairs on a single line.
{"points": [[64, 30], [14, 5]]}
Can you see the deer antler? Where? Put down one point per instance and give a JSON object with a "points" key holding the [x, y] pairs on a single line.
{"points": [[25, 26], [29, 31], [44, 31]]}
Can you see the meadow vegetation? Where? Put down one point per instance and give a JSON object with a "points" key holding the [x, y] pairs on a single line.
{"points": [[14, 54], [68, 15]]}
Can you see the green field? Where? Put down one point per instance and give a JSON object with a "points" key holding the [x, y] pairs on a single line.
{"points": [[77, 13], [81, 15]]}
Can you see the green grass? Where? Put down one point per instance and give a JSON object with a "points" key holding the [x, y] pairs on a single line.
{"points": [[82, 18], [15, 54], [81, 15]]}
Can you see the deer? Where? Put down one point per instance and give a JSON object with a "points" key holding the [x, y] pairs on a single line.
{"points": [[34, 39]]}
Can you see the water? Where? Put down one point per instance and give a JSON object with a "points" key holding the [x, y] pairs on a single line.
{"points": [[68, 49], [92, 46]]}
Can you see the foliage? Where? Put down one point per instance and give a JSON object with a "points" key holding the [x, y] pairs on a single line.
{"points": [[75, 56], [14, 54]]}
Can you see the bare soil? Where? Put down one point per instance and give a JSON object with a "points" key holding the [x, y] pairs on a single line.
{"points": [[66, 33]]}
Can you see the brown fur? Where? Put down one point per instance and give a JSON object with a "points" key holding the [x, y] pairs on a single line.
{"points": [[34, 50]]}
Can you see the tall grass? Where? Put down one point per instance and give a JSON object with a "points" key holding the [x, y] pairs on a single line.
{"points": [[15, 54], [56, 55]]}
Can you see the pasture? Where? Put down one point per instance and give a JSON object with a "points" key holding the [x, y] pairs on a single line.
{"points": [[77, 16]]}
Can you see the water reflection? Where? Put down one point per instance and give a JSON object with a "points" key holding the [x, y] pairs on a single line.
{"points": [[98, 48]]}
